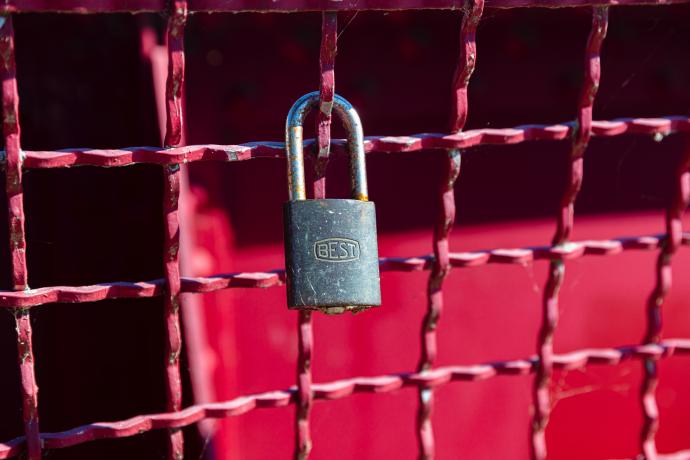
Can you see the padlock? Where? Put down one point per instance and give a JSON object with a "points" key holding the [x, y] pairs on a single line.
{"points": [[331, 253]]}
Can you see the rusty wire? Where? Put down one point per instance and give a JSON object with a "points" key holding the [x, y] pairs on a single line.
{"points": [[15, 207], [171, 234], [291, 6], [671, 243], [444, 223], [199, 285], [21, 299], [344, 388], [550, 306], [305, 331], [66, 158]]}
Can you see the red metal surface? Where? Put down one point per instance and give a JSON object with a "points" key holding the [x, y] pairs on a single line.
{"points": [[303, 395]]}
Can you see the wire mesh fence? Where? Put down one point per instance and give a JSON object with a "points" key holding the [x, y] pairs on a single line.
{"points": [[427, 376]]}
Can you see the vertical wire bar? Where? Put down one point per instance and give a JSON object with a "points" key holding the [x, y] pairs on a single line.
{"points": [[15, 198], [11, 132], [581, 136], [305, 396], [329, 49], [329, 39], [444, 224], [674, 236], [171, 194]]}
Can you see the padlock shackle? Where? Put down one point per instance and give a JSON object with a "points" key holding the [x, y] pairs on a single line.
{"points": [[295, 148]]}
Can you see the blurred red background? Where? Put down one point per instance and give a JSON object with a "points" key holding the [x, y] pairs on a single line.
{"points": [[83, 82]]}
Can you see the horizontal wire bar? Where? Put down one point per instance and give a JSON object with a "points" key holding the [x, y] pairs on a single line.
{"points": [[343, 388], [291, 6], [389, 144], [114, 290], [682, 455]]}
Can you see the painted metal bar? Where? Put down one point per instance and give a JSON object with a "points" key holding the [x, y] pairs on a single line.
{"points": [[444, 224], [550, 305], [440, 263], [13, 155], [171, 234], [657, 127], [294, 6], [681, 455], [199, 353], [134, 426], [655, 303], [15, 206], [305, 395], [329, 49], [198, 285]]}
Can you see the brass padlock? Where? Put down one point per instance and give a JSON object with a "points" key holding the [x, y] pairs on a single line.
{"points": [[331, 253]]}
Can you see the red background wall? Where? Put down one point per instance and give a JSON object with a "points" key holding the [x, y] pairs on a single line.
{"points": [[83, 83]]}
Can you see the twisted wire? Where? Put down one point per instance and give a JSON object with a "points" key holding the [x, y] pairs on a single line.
{"points": [[291, 6], [657, 127], [199, 285], [305, 396], [444, 224], [550, 306], [15, 206], [171, 234], [664, 277], [344, 388]]}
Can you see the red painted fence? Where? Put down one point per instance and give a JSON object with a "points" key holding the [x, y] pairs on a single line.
{"points": [[595, 386]]}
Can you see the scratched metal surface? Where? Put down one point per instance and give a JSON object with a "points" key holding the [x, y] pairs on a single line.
{"points": [[20, 300]]}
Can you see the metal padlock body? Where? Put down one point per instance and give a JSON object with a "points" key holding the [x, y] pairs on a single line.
{"points": [[331, 254]]}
